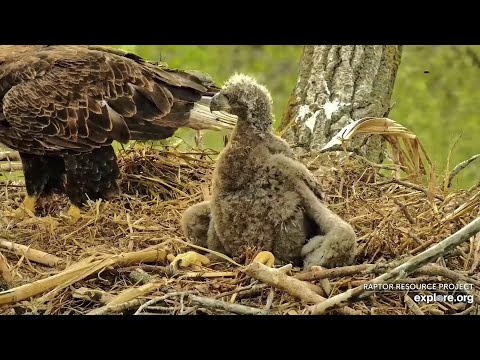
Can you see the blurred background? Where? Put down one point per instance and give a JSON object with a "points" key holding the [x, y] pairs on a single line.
{"points": [[436, 91]]}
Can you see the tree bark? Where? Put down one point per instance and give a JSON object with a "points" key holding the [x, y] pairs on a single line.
{"points": [[337, 85]]}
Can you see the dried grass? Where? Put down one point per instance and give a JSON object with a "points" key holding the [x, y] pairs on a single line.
{"points": [[392, 219]]}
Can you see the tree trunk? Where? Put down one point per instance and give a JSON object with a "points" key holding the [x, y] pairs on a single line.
{"points": [[337, 85]]}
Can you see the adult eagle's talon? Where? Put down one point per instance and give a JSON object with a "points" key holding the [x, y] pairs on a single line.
{"points": [[265, 258], [190, 258], [25, 210]]}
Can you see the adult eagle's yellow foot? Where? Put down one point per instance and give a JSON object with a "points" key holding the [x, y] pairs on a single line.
{"points": [[26, 209], [74, 213], [265, 257], [188, 259]]}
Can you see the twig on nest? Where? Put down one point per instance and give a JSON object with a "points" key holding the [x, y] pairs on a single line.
{"points": [[409, 185], [465, 208], [9, 156], [37, 256], [316, 274], [118, 308], [139, 276], [135, 292], [160, 298], [11, 166], [241, 290], [223, 305], [208, 274], [435, 270], [5, 274], [282, 281], [77, 272], [467, 311], [93, 295], [412, 305], [401, 271], [457, 169], [404, 210], [213, 252]]}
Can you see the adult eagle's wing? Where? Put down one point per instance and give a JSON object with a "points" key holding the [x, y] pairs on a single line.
{"points": [[81, 97]]}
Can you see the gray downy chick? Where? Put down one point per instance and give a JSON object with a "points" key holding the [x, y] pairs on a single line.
{"points": [[262, 196]]}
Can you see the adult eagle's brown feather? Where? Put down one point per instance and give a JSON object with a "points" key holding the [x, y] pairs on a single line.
{"points": [[62, 107]]}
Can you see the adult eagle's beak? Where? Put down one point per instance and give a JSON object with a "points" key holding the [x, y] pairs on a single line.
{"points": [[219, 102]]}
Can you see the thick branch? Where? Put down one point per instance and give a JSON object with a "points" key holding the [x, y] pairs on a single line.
{"points": [[403, 270]]}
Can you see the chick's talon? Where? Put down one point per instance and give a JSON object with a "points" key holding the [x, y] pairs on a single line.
{"points": [[74, 213], [265, 257], [188, 259]]}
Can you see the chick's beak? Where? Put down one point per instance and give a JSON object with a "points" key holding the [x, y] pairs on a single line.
{"points": [[219, 102]]}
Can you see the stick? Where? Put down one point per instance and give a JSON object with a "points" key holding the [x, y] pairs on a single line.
{"points": [[208, 274], [335, 272], [282, 281], [93, 295], [467, 311], [456, 170], [140, 277], [37, 256], [412, 306], [5, 273], [115, 309], [435, 270], [161, 298], [409, 185], [132, 293], [233, 308], [363, 269], [9, 156], [404, 210], [10, 167], [270, 297], [77, 272], [403, 270], [253, 287]]}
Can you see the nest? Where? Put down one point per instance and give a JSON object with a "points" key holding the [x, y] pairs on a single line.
{"points": [[116, 258]]}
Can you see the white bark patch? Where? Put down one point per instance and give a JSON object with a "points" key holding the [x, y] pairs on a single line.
{"points": [[327, 90], [332, 106], [310, 123], [303, 111]]}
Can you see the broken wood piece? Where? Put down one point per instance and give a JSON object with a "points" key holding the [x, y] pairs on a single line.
{"points": [[132, 293], [6, 277], [223, 305], [76, 272], [93, 295], [402, 270], [11, 166], [412, 305], [34, 255], [317, 274], [325, 284], [436, 270], [209, 274], [118, 308], [9, 156], [139, 276], [282, 281], [160, 298]]}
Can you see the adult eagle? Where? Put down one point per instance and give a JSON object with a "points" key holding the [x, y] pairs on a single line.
{"points": [[63, 106]]}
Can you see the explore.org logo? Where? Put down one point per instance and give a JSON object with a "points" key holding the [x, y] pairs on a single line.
{"points": [[462, 295]]}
